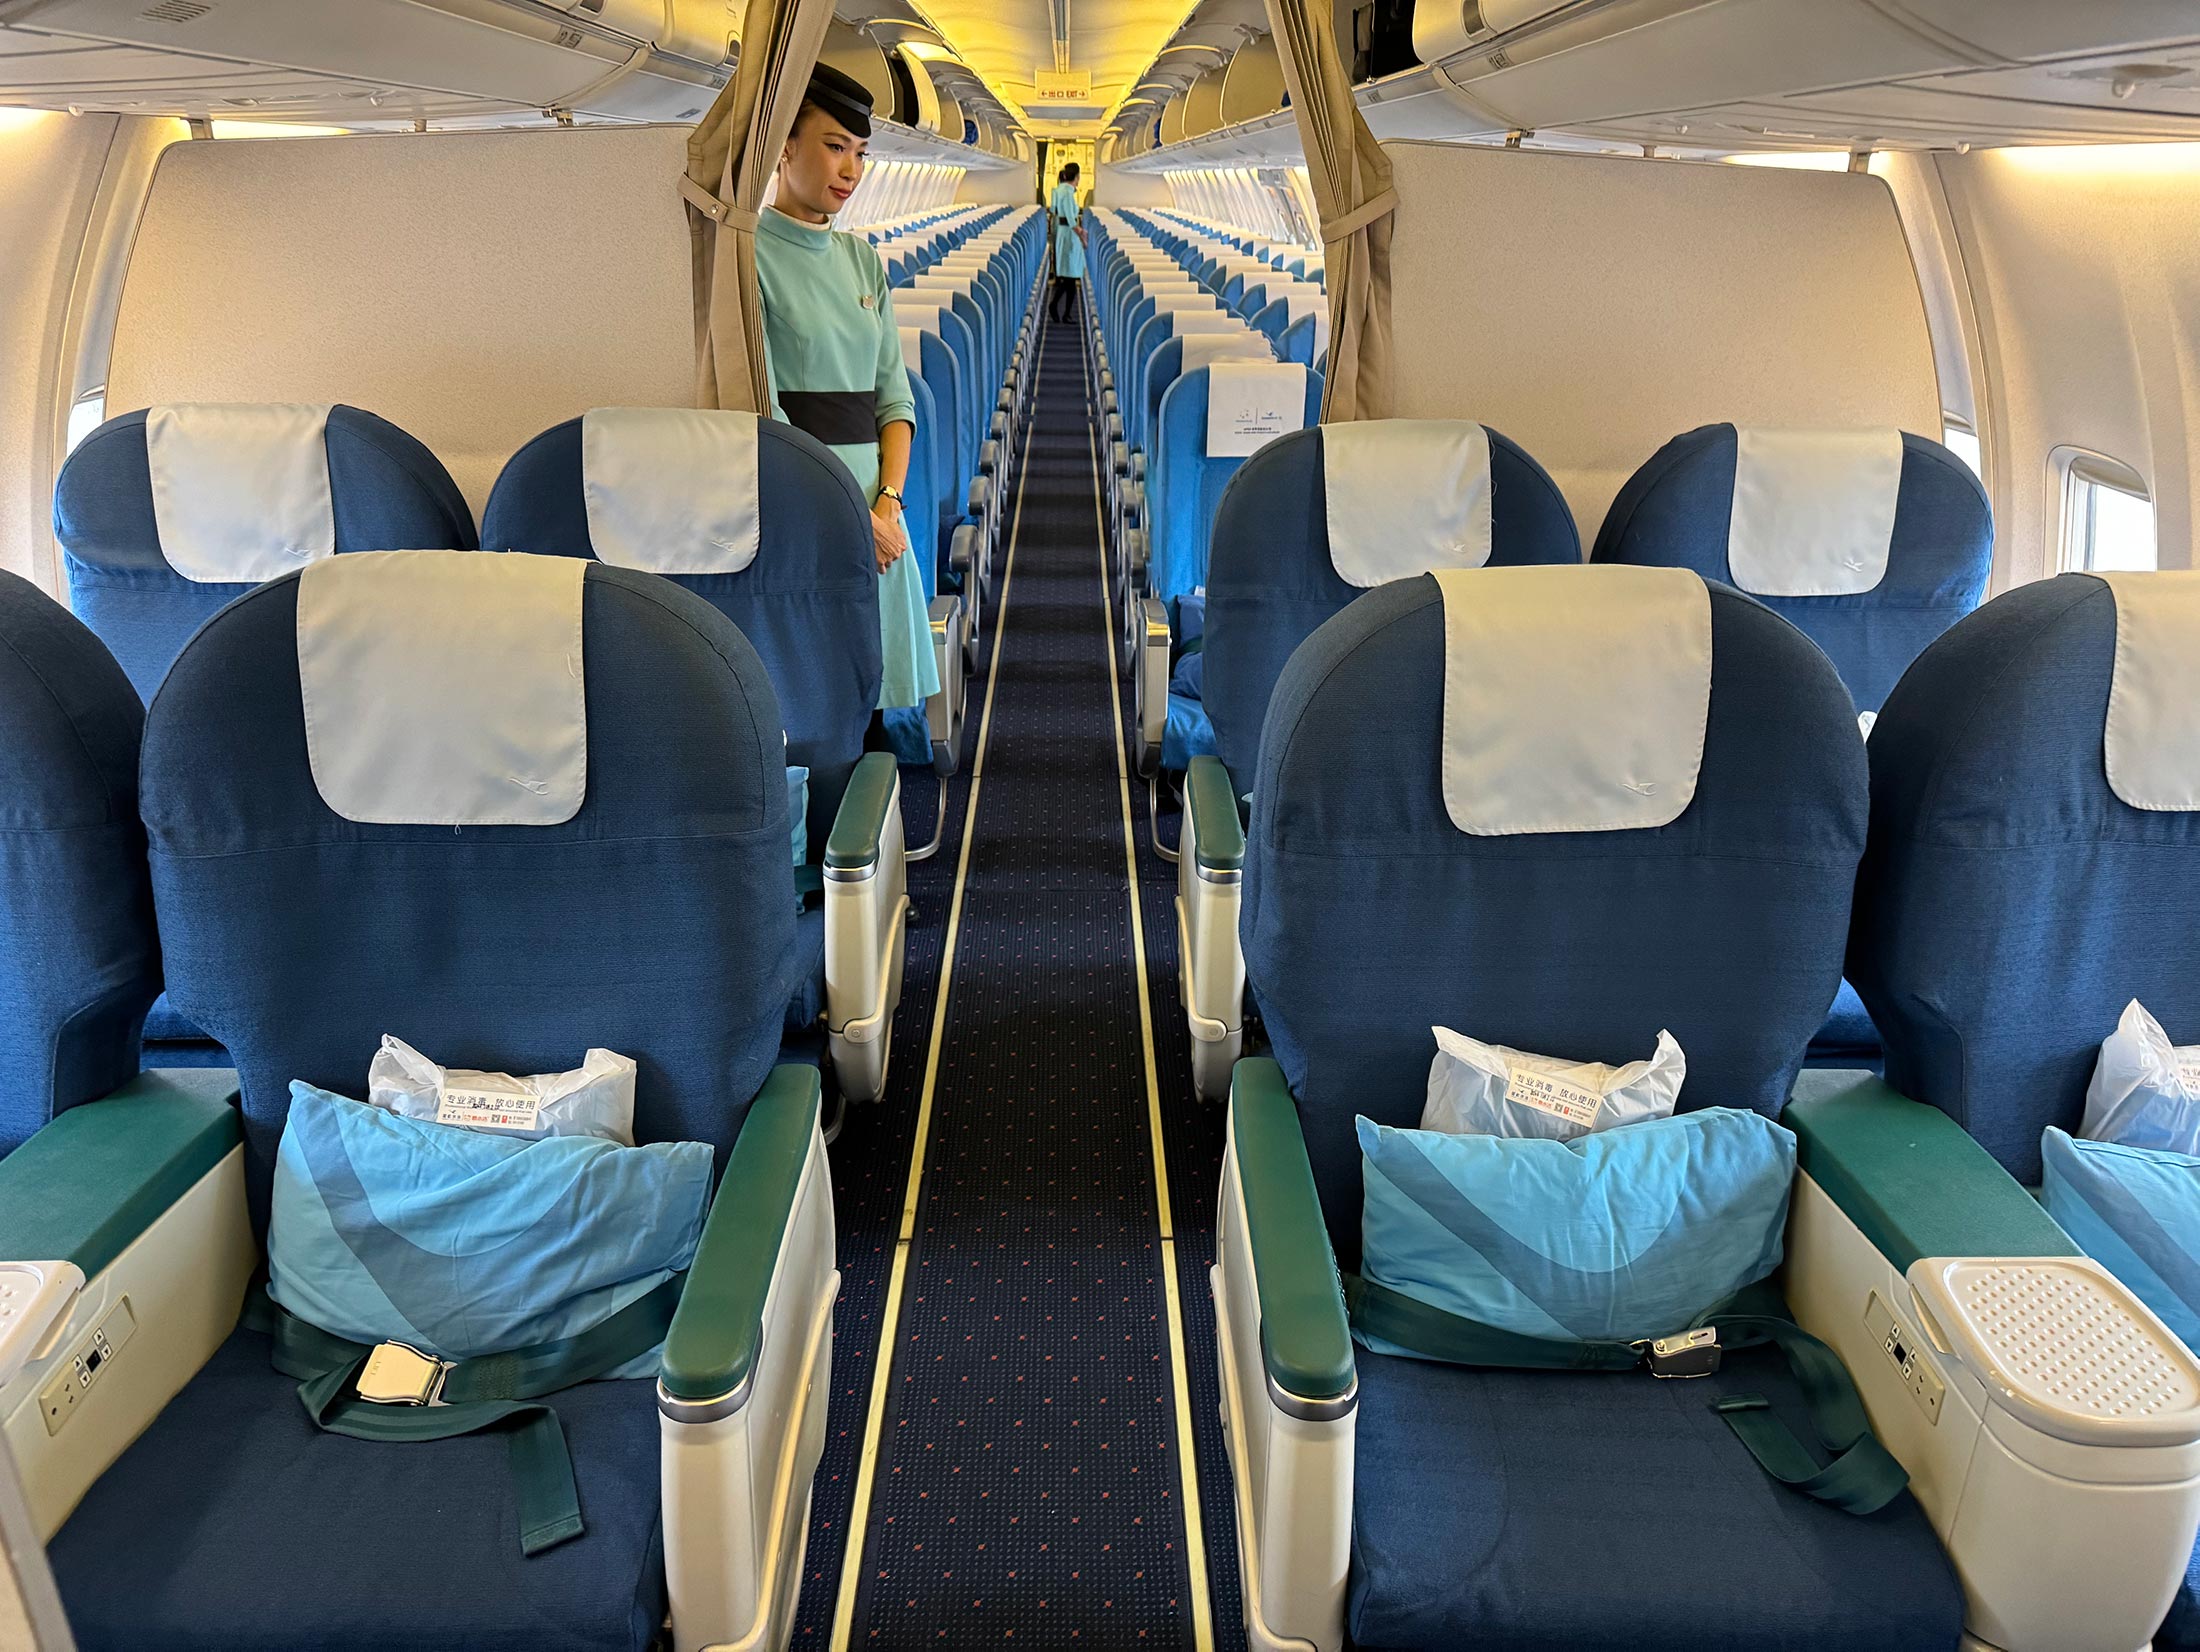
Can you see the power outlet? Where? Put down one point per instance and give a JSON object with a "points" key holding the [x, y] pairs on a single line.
{"points": [[73, 1377], [1905, 1351]]}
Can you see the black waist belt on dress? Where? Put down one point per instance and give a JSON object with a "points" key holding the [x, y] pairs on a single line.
{"points": [[838, 418]]}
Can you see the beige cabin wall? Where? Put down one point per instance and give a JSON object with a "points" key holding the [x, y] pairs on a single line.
{"points": [[1119, 188], [1000, 186], [2083, 267]]}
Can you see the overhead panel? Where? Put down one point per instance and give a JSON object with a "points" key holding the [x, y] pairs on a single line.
{"points": [[1252, 85], [1172, 120], [857, 55], [1203, 103]]}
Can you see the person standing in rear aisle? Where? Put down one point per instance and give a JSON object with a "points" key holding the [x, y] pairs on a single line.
{"points": [[1069, 245], [833, 353]]}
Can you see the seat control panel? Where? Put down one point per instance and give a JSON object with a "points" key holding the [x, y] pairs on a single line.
{"points": [[73, 1377], [1905, 1351]]}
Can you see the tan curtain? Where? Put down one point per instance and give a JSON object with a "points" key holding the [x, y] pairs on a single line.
{"points": [[1351, 179], [731, 157]]}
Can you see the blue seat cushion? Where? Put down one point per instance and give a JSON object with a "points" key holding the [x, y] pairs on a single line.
{"points": [[1848, 1037], [1185, 734], [234, 1524], [808, 1002], [170, 1040], [1518, 1510]]}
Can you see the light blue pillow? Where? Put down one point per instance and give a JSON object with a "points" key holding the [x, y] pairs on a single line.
{"points": [[798, 811], [2136, 1211], [1611, 1237], [384, 1228]]}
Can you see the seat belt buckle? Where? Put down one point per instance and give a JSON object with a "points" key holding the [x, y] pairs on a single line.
{"points": [[398, 1374], [1686, 1354]]}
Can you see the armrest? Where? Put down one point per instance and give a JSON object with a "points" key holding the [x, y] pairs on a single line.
{"points": [[1914, 1183], [861, 822], [89, 1183], [1213, 806], [962, 547], [1305, 1341], [718, 1329], [981, 491]]}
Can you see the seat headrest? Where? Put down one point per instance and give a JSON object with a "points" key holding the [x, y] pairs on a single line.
{"points": [[1406, 497], [912, 346], [1249, 403], [240, 491], [1575, 700], [2150, 743], [926, 316], [443, 688], [1205, 348], [671, 490], [1813, 512], [1187, 319]]}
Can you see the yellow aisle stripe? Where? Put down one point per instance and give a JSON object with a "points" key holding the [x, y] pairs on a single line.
{"points": [[859, 1513], [1195, 1542]]}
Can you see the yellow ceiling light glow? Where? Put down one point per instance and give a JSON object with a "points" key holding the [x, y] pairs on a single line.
{"points": [[15, 120], [2106, 161], [273, 129]]}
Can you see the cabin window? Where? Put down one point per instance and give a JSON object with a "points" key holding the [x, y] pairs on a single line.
{"points": [[1961, 440], [86, 415], [2108, 520]]}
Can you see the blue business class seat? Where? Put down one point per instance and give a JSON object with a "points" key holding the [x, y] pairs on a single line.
{"points": [[244, 492], [770, 530], [1896, 545], [1311, 521], [2033, 866], [321, 883], [1406, 870], [79, 965]]}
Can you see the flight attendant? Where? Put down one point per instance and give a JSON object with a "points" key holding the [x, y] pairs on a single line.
{"points": [[834, 354], [1069, 244]]}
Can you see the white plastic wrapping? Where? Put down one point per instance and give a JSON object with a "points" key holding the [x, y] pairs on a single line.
{"points": [[2145, 1090], [595, 1099], [1477, 1089]]}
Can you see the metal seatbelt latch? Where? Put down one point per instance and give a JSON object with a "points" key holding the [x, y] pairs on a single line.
{"points": [[1688, 1354], [398, 1374]]}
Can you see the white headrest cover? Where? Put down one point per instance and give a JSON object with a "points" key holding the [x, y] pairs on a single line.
{"points": [[1406, 497], [1574, 701], [240, 492], [1197, 300], [918, 314], [1238, 343], [912, 348], [1250, 403], [671, 490], [1813, 510], [1306, 301], [445, 688], [1186, 320], [2150, 744]]}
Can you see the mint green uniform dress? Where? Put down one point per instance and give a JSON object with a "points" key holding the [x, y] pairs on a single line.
{"points": [[834, 355], [1069, 250]]}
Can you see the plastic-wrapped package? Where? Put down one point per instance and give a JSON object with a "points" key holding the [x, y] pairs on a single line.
{"points": [[2145, 1090], [595, 1099], [1477, 1089]]}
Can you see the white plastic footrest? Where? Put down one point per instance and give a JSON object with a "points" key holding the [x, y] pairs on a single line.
{"points": [[2063, 1346], [34, 1298]]}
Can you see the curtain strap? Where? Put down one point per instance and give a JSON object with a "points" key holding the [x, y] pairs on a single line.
{"points": [[1377, 206], [711, 207]]}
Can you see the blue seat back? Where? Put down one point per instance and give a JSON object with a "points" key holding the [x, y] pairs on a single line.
{"points": [[1369, 917], [1271, 582], [2011, 904], [808, 605], [1184, 484], [79, 965], [658, 921], [1674, 512], [390, 493]]}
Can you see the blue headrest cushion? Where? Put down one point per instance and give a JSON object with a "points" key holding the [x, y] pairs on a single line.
{"points": [[78, 962], [1674, 513], [1370, 918], [1270, 580], [2010, 903], [808, 604], [390, 494], [658, 921]]}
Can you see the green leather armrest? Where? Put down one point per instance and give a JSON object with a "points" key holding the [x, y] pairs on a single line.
{"points": [[861, 822], [718, 1329], [88, 1184], [1304, 1338], [1909, 1177], [1215, 822]]}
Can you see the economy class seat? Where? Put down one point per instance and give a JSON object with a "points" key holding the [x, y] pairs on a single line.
{"points": [[1182, 341], [1871, 542], [386, 876], [760, 521], [1310, 523], [1411, 1503], [166, 514], [2033, 867], [79, 961]]}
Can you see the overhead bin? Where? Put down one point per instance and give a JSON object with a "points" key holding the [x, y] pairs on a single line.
{"points": [[1252, 84]]}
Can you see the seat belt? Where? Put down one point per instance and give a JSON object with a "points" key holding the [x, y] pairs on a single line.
{"points": [[393, 1391], [1862, 1477]]}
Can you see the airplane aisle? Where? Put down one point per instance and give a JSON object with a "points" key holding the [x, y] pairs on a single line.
{"points": [[1028, 1481]]}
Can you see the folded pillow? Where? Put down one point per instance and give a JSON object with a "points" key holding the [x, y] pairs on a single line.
{"points": [[1616, 1236], [385, 1228], [2145, 1090], [595, 1099], [1477, 1089], [2136, 1211]]}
